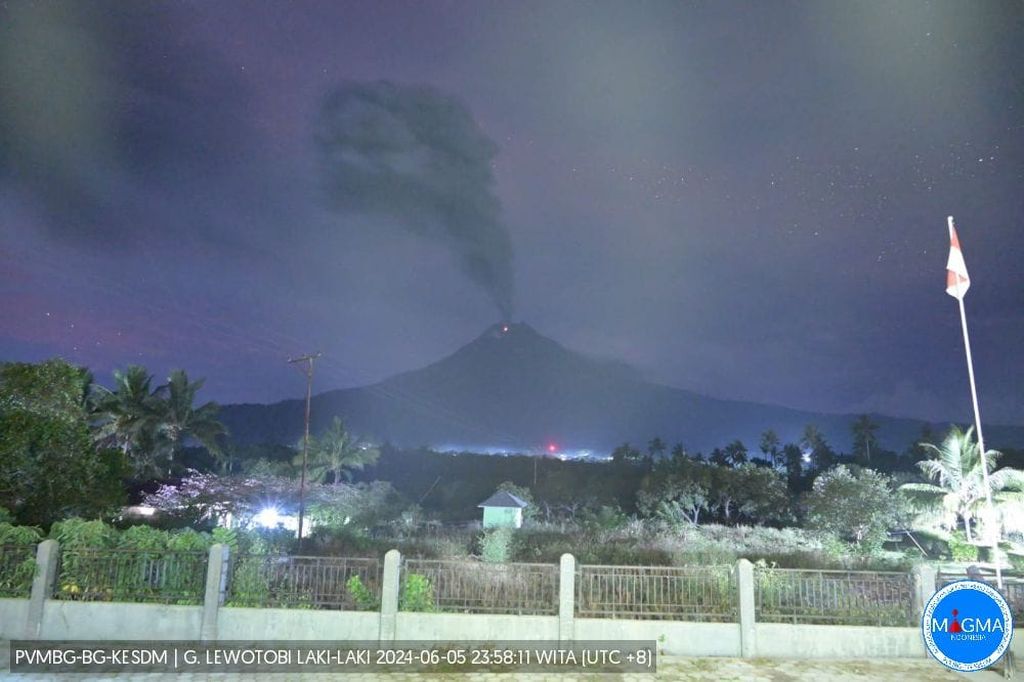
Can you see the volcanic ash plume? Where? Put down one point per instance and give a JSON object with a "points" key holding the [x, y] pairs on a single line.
{"points": [[417, 155]]}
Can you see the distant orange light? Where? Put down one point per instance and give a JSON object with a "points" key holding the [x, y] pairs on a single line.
{"points": [[552, 448]]}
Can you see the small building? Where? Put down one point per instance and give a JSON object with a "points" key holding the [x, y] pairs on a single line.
{"points": [[503, 510]]}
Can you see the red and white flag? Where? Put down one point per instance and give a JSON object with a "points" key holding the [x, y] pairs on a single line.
{"points": [[957, 281]]}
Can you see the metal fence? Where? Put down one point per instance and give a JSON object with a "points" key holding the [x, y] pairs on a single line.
{"points": [[477, 587], [17, 568], [131, 575], [265, 580], [834, 597], [1013, 589], [692, 593]]}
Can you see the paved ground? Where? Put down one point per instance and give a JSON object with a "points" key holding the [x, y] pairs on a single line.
{"points": [[669, 668]]}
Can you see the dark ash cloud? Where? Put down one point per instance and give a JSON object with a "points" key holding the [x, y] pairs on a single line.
{"points": [[417, 155], [107, 111]]}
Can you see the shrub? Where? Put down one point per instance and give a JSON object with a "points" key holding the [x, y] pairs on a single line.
{"points": [[1016, 561], [860, 505], [543, 546], [266, 541], [16, 573], [19, 535], [249, 583], [363, 598], [344, 541], [142, 538], [417, 594], [75, 533], [960, 549], [226, 536], [603, 518], [188, 540], [16, 578], [496, 545]]}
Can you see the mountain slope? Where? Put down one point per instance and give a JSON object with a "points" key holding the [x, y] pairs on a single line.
{"points": [[515, 388]]}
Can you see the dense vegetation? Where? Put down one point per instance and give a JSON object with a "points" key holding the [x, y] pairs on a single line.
{"points": [[71, 448]]}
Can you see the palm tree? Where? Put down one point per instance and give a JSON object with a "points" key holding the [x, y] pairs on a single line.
{"points": [[656, 448], [958, 487], [128, 415], [179, 420], [336, 453], [864, 438], [813, 442], [771, 446]]}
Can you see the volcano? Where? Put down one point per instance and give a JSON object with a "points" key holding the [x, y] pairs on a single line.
{"points": [[513, 388]]}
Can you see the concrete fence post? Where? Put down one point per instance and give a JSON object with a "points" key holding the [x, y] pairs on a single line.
{"points": [[924, 586], [748, 631], [389, 596], [216, 585], [567, 598], [47, 555]]}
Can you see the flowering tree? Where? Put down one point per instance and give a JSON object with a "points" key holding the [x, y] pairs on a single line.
{"points": [[202, 496]]}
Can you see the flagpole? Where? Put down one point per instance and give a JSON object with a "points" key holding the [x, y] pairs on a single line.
{"points": [[977, 426]]}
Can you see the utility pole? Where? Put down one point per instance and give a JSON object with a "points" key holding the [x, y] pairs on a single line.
{"points": [[308, 371]]}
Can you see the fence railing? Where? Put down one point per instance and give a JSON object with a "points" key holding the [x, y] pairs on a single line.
{"points": [[17, 568], [477, 587], [131, 575], [693, 593], [834, 597], [266, 580], [1013, 589], [688, 593]]}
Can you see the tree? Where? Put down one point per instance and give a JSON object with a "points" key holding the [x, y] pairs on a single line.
{"points": [[206, 496], [260, 458], [626, 453], [723, 491], [180, 420], [860, 506], [771, 447], [760, 494], [674, 502], [679, 453], [656, 448], [916, 451], [129, 417], [732, 455], [957, 489], [736, 453], [50, 468], [813, 442], [524, 494], [358, 506], [793, 460], [53, 388], [336, 453], [864, 440]]}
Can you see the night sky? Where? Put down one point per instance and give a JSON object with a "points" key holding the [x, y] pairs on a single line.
{"points": [[747, 200]]}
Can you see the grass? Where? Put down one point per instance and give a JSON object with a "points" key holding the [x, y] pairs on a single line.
{"points": [[632, 543]]}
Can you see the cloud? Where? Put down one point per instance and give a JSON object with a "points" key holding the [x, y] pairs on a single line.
{"points": [[417, 156], [105, 107]]}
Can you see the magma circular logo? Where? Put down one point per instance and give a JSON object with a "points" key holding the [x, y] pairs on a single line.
{"points": [[967, 626]]}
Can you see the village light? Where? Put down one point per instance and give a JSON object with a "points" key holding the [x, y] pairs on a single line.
{"points": [[268, 517]]}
